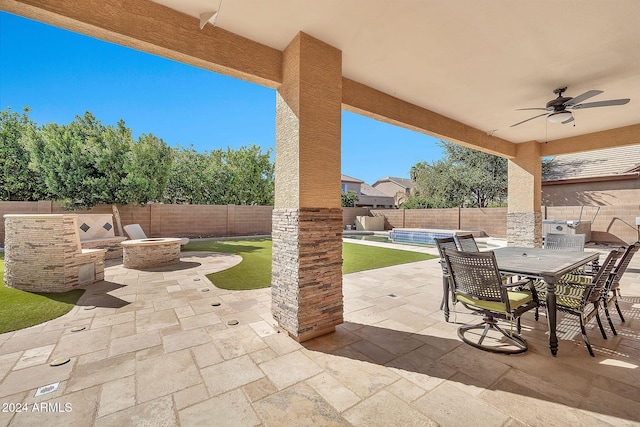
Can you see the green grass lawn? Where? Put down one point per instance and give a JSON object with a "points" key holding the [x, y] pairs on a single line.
{"points": [[19, 309], [255, 269]]}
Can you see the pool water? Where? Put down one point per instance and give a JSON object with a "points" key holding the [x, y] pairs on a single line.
{"points": [[418, 237], [369, 238]]}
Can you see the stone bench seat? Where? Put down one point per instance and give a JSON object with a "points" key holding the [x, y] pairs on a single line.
{"points": [[96, 231], [110, 244]]}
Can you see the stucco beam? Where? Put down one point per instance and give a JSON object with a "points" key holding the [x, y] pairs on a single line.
{"points": [[362, 99], [619, 137], [153, 28]]}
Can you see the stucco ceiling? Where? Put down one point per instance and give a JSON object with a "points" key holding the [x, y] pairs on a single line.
{"points": [[475, 61]]}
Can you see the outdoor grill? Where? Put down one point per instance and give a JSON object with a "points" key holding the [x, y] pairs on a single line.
{"points": [[570, 226], [567, 226]]}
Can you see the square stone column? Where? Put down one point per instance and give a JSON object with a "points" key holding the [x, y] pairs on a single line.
{"points": [[524, 214], [307, 216]]}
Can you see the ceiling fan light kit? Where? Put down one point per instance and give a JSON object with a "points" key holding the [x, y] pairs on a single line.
{"points": [[559, 117], [558, 110]]}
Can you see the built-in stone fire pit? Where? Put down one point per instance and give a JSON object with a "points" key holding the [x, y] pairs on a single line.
{"points": [[152, 252]]}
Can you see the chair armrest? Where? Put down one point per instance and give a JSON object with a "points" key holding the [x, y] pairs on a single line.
{"points": [[522, 282], [528, 283]]}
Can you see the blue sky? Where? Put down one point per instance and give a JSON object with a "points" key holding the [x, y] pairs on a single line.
{"points": [[60, 74]]}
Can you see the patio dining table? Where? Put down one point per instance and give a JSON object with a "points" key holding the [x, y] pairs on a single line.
{"points": [[547, 265]]}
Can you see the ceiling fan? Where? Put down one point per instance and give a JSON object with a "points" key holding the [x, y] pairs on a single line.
{"points": [[558, 110]]}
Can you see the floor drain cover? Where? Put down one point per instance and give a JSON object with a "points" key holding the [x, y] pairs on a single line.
{"points": [[90, 307], [60, 361], [78, 328], [46, 389], [215, 304], [232, 322]]}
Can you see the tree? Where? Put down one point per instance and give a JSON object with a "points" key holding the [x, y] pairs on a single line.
{"points": [[147, 169], [414, 201], [464, 177], [249, 176], [242, 177], [188, 180], [349, 199], [86, 163], [17, 181]]}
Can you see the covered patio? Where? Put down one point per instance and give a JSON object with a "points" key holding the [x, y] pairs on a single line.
{"points": [[458, 73], [156, 348]]}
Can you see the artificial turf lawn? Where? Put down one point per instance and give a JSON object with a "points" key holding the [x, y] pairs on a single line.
{"points": [[254, 271], [19, 309]]}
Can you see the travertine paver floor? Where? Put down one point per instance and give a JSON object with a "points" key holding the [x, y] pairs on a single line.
{"points": [[155, 351]]}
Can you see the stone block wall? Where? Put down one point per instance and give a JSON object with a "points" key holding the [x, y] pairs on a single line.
{"points": [[43, 254], [307, 271], [613, 224], [493, 221], [349, 216], [524, 229]]}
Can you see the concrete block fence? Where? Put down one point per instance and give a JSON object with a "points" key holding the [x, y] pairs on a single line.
{"points": [[613, 224]]}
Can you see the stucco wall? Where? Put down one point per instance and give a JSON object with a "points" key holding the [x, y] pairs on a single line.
{"points": [[605, 193], [615, 224], [490, 220]]}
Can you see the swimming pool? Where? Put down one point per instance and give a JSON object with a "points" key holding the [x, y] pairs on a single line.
{"points": [[405, 236], [418, 236], [369, 237]]}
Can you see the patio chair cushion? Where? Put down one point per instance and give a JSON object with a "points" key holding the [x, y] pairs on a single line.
{"points": [[570, 295], [516, 299], [561, 289]]}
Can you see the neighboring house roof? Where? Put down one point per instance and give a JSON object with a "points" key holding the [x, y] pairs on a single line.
{"points": [[402, 182], [611, 162], [347, 178], [368, 190]]}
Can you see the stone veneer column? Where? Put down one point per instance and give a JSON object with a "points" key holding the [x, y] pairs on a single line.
{"points": [[524, 215], [307, 216]]}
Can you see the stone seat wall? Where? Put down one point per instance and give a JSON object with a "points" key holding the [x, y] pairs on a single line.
{"points": [[43, 254], [96, 231]]}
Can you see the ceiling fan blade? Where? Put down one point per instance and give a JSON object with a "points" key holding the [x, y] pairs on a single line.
{"points": [[601, 103], [540, 109], [578, 99], [524, 121], [569, 120]]}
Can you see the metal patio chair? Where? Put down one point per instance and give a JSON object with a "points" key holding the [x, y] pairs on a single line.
{"points": [[478, 285], [581, 295], [447, 243], [612, 288], [559, 242], [564, 242], [467, 243]]}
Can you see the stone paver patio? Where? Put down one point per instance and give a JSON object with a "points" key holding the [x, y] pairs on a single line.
{"points": [[157, 351]]}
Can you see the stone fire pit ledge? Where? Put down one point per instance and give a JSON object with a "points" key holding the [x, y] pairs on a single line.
{"points": [[151, 252]]}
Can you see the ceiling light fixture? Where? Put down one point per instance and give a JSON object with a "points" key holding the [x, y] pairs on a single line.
{"points": [[559, 117]]}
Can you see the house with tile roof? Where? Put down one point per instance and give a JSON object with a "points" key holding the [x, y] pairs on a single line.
{"points": [[398, 188], [609, 177], [367, 195]]}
